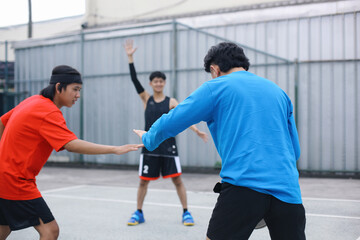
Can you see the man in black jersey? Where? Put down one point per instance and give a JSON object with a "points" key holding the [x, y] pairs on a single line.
{"points": [[165, 158]]}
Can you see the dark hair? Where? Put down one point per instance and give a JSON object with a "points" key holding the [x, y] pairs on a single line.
{"points": [[226, 55], [157, 74], [49, 91], [64, 75]]}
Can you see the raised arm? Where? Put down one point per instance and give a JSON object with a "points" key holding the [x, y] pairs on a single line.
{"points": [[84, 147], [130, 50], [202, 135]]}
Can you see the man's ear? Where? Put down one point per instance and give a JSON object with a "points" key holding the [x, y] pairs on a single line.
{"points": [[214, 70], [57, 88]]}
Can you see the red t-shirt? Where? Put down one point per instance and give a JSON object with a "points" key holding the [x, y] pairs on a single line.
{"points": [[32, 130]]}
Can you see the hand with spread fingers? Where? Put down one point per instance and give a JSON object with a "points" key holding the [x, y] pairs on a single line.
{"points": [[129, 47]]}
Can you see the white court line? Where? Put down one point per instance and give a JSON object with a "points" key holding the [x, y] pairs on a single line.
{"points": [[130, 188], [63, 189], [332, 199], [358, 238], [123, 201], [331, 216], [149, 189], [172, 191], [175, 205]]}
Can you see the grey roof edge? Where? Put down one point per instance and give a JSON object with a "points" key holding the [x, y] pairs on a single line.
{"points": [[217, 11]]}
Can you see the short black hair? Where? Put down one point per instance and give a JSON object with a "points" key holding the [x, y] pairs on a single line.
{"points": [[157, 74], [226, 55]]}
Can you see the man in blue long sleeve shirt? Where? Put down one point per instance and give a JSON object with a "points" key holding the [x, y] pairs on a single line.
{"points": [[252, 124]]}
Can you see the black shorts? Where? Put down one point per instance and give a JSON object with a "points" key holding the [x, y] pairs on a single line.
{"points": [[150, 167], [20, 214], [239, 209]]}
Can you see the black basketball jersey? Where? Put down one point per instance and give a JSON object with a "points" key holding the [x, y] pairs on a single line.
{"points": [[154, 111]]}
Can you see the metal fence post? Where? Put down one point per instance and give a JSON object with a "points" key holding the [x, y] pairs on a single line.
{"points": [[5, 94], [82, 57], [174, 58], [296, 107]]}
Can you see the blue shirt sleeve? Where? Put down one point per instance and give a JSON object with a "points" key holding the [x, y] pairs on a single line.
{"points": [[293, 133], [197, 107]]}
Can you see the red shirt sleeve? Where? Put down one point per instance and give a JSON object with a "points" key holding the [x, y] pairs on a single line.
{"points": [[5, 118], [55, 131]]}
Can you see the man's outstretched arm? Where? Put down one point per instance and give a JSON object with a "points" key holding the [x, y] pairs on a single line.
{"points": [[85, 147], [202, 135], [197, 107]]}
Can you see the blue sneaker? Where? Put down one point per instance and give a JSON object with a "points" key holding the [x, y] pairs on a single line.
{"points": [[187, 219], [136, 218]]}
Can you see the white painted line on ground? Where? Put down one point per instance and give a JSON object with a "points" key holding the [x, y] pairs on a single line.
{"points": [[331, 216], [172, 191], [174, 205], [131, 188], [358, 238], [118, 187], [332, 199], [122, 201], [63, 189]]}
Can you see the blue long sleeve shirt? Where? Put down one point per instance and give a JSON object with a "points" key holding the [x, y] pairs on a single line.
{"points": [[252, 124]]}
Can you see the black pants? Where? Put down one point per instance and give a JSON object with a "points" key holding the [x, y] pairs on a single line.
{"points": [[239, 209]]}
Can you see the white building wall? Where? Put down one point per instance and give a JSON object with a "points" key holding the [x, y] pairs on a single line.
{"points": [[42, 29]]}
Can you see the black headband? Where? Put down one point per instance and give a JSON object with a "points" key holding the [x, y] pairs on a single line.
{"points": [[65, 78]]}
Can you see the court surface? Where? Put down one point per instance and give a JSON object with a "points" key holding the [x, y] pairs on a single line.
{"points": [[96, 204]]}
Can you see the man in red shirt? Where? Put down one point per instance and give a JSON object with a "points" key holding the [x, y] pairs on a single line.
{"points": [[28, 134]]}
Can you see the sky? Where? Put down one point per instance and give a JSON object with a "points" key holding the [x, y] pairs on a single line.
{"points": [[14, 12]]}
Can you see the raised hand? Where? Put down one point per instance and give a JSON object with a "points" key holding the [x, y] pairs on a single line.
{"points": [[129, 47]]}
